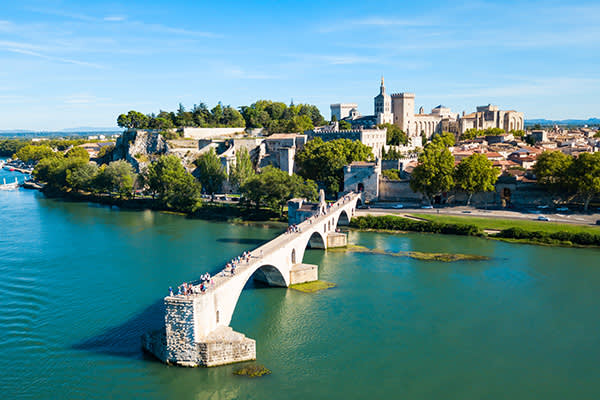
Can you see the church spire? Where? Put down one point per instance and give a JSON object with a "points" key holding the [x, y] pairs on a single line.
{"points": [[382, 87]]}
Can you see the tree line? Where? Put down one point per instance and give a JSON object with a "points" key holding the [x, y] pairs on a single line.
{"points": [[199, 116], [273, 116], [473, 133]]}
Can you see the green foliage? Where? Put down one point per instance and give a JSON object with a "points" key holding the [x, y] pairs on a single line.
{"points": [[78, 152], [8, 147], [199, 116], [55, 170], [473, 133], [446, 139], [391, 174], [133, 120], [434, 173], [580, 238], [391, 154], [243, 168], [552, 170], [585, 176], [394, 135], [476, 174], [118, 176], [274, 187], [597, 135], [210, 171], [31, 153], [105, 150], [278, 117], [82, 176], [324, 161], [345, 125], [174, 186], [518, 133], [390, 222]]}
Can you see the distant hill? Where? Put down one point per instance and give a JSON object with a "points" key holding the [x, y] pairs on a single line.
{"points": [[589, 121]]}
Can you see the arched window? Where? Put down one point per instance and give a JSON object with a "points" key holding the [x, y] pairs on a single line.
{"points": [[293, 256]]}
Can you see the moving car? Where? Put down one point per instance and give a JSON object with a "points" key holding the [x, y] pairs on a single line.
{"points": [[428, 206], [398, 206], [542, 218]]}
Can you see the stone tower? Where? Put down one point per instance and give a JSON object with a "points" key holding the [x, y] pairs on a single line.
{"points": [[383, 106], [403, 109]]}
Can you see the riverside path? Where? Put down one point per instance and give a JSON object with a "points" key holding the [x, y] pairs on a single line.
{"points": [[197, 332]]}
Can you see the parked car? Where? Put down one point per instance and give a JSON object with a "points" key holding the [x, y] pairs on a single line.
{"points": [[427, 206], [543, 218], [363, 207], [562, 209], [398, 206]]}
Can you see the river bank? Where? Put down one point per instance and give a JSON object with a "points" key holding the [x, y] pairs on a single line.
{"points": [[210, 211], [511, 231]]}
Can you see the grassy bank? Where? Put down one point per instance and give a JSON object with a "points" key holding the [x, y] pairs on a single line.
{"points": [[516, 231], [501, 224], [417, 255]]}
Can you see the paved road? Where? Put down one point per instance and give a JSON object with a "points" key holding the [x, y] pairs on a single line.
{"points": [[570, 218]]}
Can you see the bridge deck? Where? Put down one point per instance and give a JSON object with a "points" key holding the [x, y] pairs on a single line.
{"points": [[223, 276]]}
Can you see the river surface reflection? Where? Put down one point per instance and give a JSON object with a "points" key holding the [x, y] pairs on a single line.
{"points": [[81, 283]]}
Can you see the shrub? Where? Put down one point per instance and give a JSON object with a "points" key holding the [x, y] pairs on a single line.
{"points": [[393, 223]]}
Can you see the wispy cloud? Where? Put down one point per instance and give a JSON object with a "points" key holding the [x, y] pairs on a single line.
{"points": [[52, 58], [115, 18], [375, 22]]}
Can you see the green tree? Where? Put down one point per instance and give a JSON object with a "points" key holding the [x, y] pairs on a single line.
{"points": [[82, 176], [274, 187], [445, 138], [391, 174], [434, 172], [585, 175], [552, 170], [54, 170], [210, 171], [394, 135], [32, 154], [118, 176], [476, 174], [174, 186], [243, 168], [345, 125], [133, 120], [324, 161], [78, 152]]}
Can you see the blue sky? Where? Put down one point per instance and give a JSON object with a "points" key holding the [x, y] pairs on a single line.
{"points": [[73, 63]]}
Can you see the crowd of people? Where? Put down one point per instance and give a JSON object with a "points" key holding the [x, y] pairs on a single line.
{"points": [[234, 263], [293, 229], [187, 289]]}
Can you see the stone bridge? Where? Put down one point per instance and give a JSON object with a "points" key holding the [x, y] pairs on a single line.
{"points": [[197, 331]]}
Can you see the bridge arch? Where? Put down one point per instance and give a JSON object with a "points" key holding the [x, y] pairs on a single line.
{"points": [[343, 219], [269, 274], [316, 240]]}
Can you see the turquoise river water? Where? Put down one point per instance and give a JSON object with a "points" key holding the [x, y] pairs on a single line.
{"points": [[80, 283]]}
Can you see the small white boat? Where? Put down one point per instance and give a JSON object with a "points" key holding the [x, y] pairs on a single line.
{"points": [[9, 186]]}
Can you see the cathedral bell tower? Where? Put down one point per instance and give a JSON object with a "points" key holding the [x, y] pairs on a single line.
{"points": [[383, 106]]}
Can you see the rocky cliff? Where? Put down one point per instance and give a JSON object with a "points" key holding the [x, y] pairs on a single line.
{"points": [[139, 148]]}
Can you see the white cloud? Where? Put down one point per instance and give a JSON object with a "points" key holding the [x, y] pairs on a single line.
{"points": [[52, 58], [115, 18]]}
